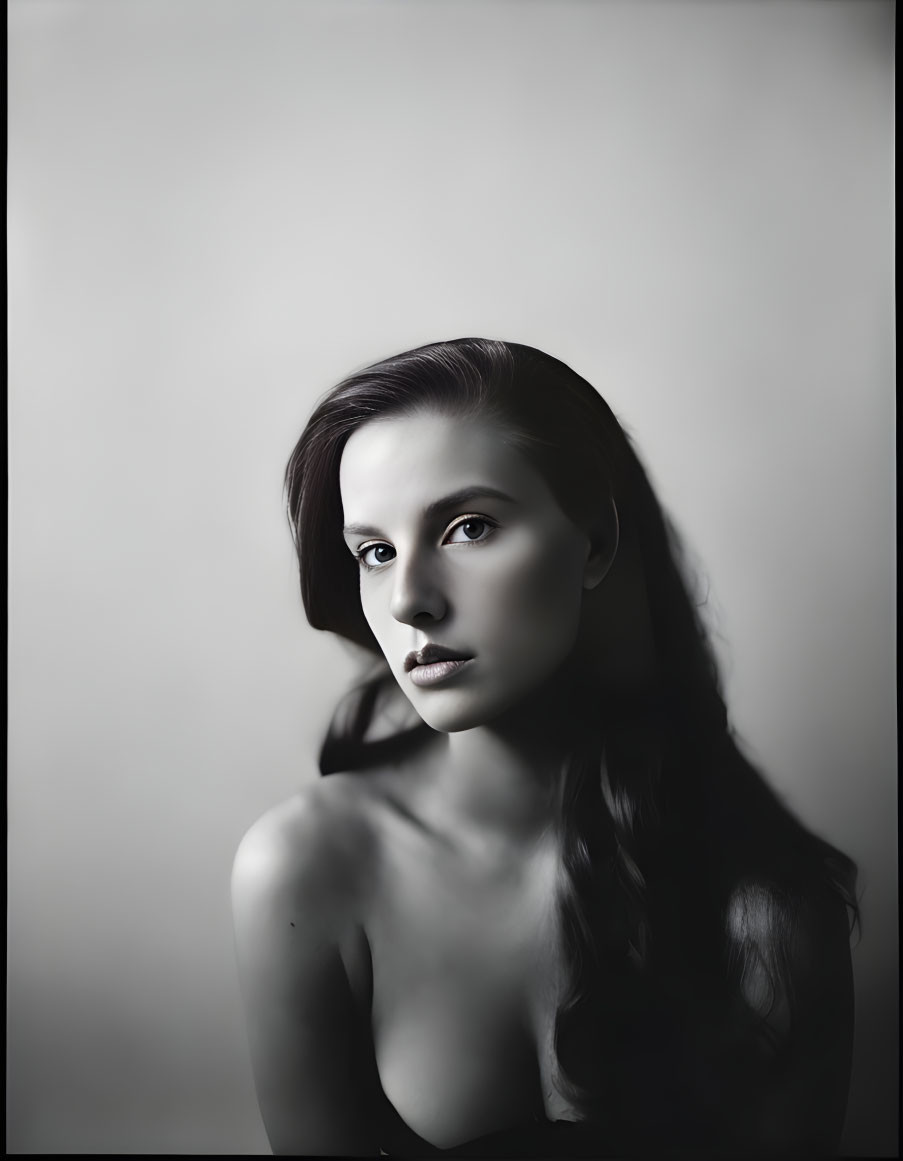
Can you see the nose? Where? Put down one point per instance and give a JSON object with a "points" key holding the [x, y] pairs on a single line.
{"points": [[417, 595]]}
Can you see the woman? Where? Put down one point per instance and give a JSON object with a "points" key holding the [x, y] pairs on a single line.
{"points": [[543, 905]]}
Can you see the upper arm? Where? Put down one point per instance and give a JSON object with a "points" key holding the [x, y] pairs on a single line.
{"points": [[796, 980], [293, 899]]}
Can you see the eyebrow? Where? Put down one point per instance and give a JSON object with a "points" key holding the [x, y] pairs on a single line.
{"points": [[452, 500]]}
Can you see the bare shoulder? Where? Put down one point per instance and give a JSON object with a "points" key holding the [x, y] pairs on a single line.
{"points": [[300, 890], [312, 854]]}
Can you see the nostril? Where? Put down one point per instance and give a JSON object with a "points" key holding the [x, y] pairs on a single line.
{"points": [[419, 609]]}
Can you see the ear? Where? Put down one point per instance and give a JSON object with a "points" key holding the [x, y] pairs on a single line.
{"points": [[603, 549]]}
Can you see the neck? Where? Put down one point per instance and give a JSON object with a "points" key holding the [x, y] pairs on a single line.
{"points": [[505, 776]]}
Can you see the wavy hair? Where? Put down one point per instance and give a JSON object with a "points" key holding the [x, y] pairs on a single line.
{"points": [[665, 824]]}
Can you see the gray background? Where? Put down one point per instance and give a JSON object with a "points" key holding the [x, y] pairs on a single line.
{"points": [[217, 209]]}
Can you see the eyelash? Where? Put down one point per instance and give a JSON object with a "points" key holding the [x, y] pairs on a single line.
{"points": [[365, 548]]}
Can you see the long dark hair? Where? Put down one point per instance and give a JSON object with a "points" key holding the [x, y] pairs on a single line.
{"points": [[666, 826]]}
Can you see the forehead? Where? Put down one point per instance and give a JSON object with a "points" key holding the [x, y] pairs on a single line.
{"points": [[398, 464]]}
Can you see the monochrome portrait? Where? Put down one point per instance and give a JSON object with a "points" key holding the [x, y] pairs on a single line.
{"points": [[451, 584]]}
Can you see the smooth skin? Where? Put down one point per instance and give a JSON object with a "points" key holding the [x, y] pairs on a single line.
{"points": [[419, 898]]}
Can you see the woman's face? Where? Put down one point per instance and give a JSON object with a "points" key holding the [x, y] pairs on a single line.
{"points": [[461, 545]]}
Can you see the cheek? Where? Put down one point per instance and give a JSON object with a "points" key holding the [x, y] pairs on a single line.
{"points": [[534, 602], [374, 604]]}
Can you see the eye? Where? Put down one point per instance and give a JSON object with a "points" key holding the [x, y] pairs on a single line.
{"points": [[464, 530], [373, 555], [471, 528]]}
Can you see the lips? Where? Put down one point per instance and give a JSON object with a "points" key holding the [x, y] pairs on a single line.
{"points": [[430, 654]]}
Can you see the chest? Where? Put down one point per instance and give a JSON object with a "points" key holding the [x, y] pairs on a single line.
{"points": [[467, 970]]}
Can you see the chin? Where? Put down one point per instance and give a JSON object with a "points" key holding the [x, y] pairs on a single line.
{"points": [[470, 713], [451, 723]]}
